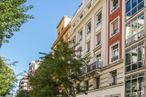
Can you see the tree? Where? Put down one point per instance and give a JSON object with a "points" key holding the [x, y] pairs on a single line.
{"points": [[12, 16], [42, 83], [23, 93], [57, 74], [7, 78]]}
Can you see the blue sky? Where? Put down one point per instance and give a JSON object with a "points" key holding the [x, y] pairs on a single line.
{"points": [[38, 34]]}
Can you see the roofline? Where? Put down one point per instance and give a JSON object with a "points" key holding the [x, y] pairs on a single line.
{"points": [[61, 20], [66, 28]]}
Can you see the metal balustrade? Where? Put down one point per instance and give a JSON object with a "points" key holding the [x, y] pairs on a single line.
{"points": [[91, 68]]}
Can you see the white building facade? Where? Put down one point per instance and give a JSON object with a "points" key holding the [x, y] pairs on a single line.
{"points": [[97, 33]]}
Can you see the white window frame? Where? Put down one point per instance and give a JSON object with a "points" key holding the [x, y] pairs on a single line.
{"points": [[87, 46], [111, 7], [96, 42], [111, 26], [96, 18], [87, 32], [111, 52], [80, 38]]}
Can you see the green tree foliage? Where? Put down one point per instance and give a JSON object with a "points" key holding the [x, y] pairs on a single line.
{"points": [[57, 74], [7, 78], [12, 16], [23, 93]]}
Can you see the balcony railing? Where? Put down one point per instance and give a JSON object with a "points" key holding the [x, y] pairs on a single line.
{"points": [[91, 68], [135, 37]]}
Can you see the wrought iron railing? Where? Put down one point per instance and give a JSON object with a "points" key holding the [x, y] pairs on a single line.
{"points": [[91, 68]]}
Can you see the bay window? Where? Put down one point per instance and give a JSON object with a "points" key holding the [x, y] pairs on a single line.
{"points": [[134, 58], [134, 85], [135, 29], [133, 6]]}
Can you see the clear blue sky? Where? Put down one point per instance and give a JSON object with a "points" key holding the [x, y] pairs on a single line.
{"points": [[38, 34]]}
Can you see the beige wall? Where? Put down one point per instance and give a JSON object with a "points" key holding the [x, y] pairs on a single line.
{"points": [[105, 92], [77, 25]]}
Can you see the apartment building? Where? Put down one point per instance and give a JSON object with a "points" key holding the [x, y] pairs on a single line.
{"points": [[135, 46], [63, 29], [112, 34], [97, 32], [23, 84], [33, 66]]}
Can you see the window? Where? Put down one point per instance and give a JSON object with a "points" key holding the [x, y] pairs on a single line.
{"points": [[134, 86], [113, 77], [97, 79], [89, 5], [78, 88], [80, 35], [114, 5], [79, 52], [135, 29], [98, 18], [133, 6], [81, 15], [83, 70], [114, 53], [73, 42], [98, 60], [86, 85], [89, 28], [114, 27], [134, 58], [98, 39], [88, 46]]}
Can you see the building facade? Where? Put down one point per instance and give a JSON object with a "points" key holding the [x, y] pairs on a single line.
{"points": [[63, 29], [96, 32], [33, 66], [112, 34], [135, 46], [23, 84]]}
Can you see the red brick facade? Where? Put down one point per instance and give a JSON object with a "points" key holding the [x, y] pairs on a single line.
{"points": [[118, 36]]}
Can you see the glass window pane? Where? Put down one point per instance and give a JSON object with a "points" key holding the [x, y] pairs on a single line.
{"points": [[141, 87], [134, 66], [128, 68], [128, 6], [140, 1], [134, 3], [128, 58], [134, 88], [134, 55], [141, 5]]}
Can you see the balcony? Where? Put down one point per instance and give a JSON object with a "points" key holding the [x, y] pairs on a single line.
{"points": [[91, 68], [135, 38]]}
